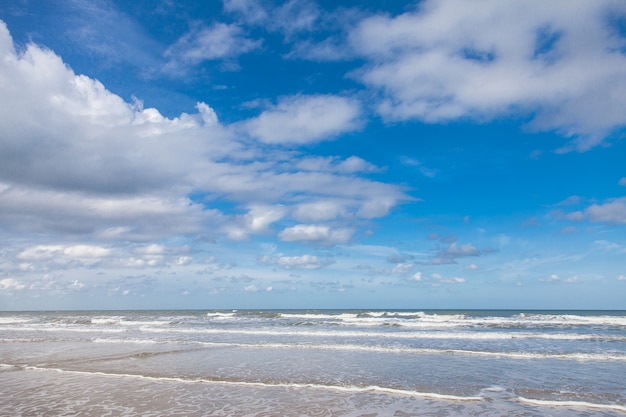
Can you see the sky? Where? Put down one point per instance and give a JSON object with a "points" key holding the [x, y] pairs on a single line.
{"points": [[312, 154]]}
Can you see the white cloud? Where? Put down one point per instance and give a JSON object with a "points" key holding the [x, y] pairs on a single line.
{"points": [[152, 249], [554, 278], [452, 252], [290, 17], [257, 220], [608, 246], [376, 208], [219, 41], [106, 217], [250, 10], [613, 211], [77, 285], [436, 279], [320, 210], [311, 233], [621, 278], [402, 268], [305, 119], [450, 59], [76, 159], [296, 16], [349, 165], [11, 284], [62, 256], [303, 262], [622, 181], [254, 288], [86, 253]]}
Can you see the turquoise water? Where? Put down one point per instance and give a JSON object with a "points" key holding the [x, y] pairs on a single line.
{"points": [[313, 362]]}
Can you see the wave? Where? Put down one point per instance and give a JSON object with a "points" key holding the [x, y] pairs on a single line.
{"points": [[583, 404], [309, 332], [130, 341], [13, 320], [421, 319], [371, 389], [394, 335], [63, 328], [256, 384], [576, 356], [123, 321], [422, 351], [359, 318]]}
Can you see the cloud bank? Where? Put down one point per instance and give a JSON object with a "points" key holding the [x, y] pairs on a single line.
{"points": [[79, 160]]}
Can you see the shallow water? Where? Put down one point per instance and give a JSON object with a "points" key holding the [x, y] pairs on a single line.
{"points": [[335, 363]]}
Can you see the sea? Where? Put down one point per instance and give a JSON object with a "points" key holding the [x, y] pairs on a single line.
{"points": [[364, 363]]}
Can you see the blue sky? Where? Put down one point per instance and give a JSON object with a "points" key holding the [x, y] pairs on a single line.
{"points": [[302, 154]]}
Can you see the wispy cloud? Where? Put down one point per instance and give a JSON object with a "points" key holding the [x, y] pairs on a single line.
{"points": [[220, 41]]}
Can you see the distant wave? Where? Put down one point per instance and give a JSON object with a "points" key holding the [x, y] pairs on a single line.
{"points": [[388, 349], [393, 335], [411, 319], [147, 327]]}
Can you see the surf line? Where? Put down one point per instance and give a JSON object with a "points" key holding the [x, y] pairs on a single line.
{"points": [[427, 351], [584, 404], [347, 389]]}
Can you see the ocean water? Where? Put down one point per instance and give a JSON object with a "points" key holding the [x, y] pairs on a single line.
{"points": [[313, 363]]}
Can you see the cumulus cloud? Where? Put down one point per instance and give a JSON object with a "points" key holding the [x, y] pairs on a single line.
{"points": [[68, 132], [78, 159], [613, 211], [320, 234], [622, 181], [257, 220], [255, 288], [11, 284], [305, 119], [435, 279], [450, 59], [46, 252], [320, 210], [46, 257], [121, 217], [303, 262]]}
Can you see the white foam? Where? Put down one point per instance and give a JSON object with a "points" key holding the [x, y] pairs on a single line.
{"points": [[128, 341], [14, 320], [429, 335], [339, 388], [218, 315], [411, 350], [584, 404], [61, 328]]}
